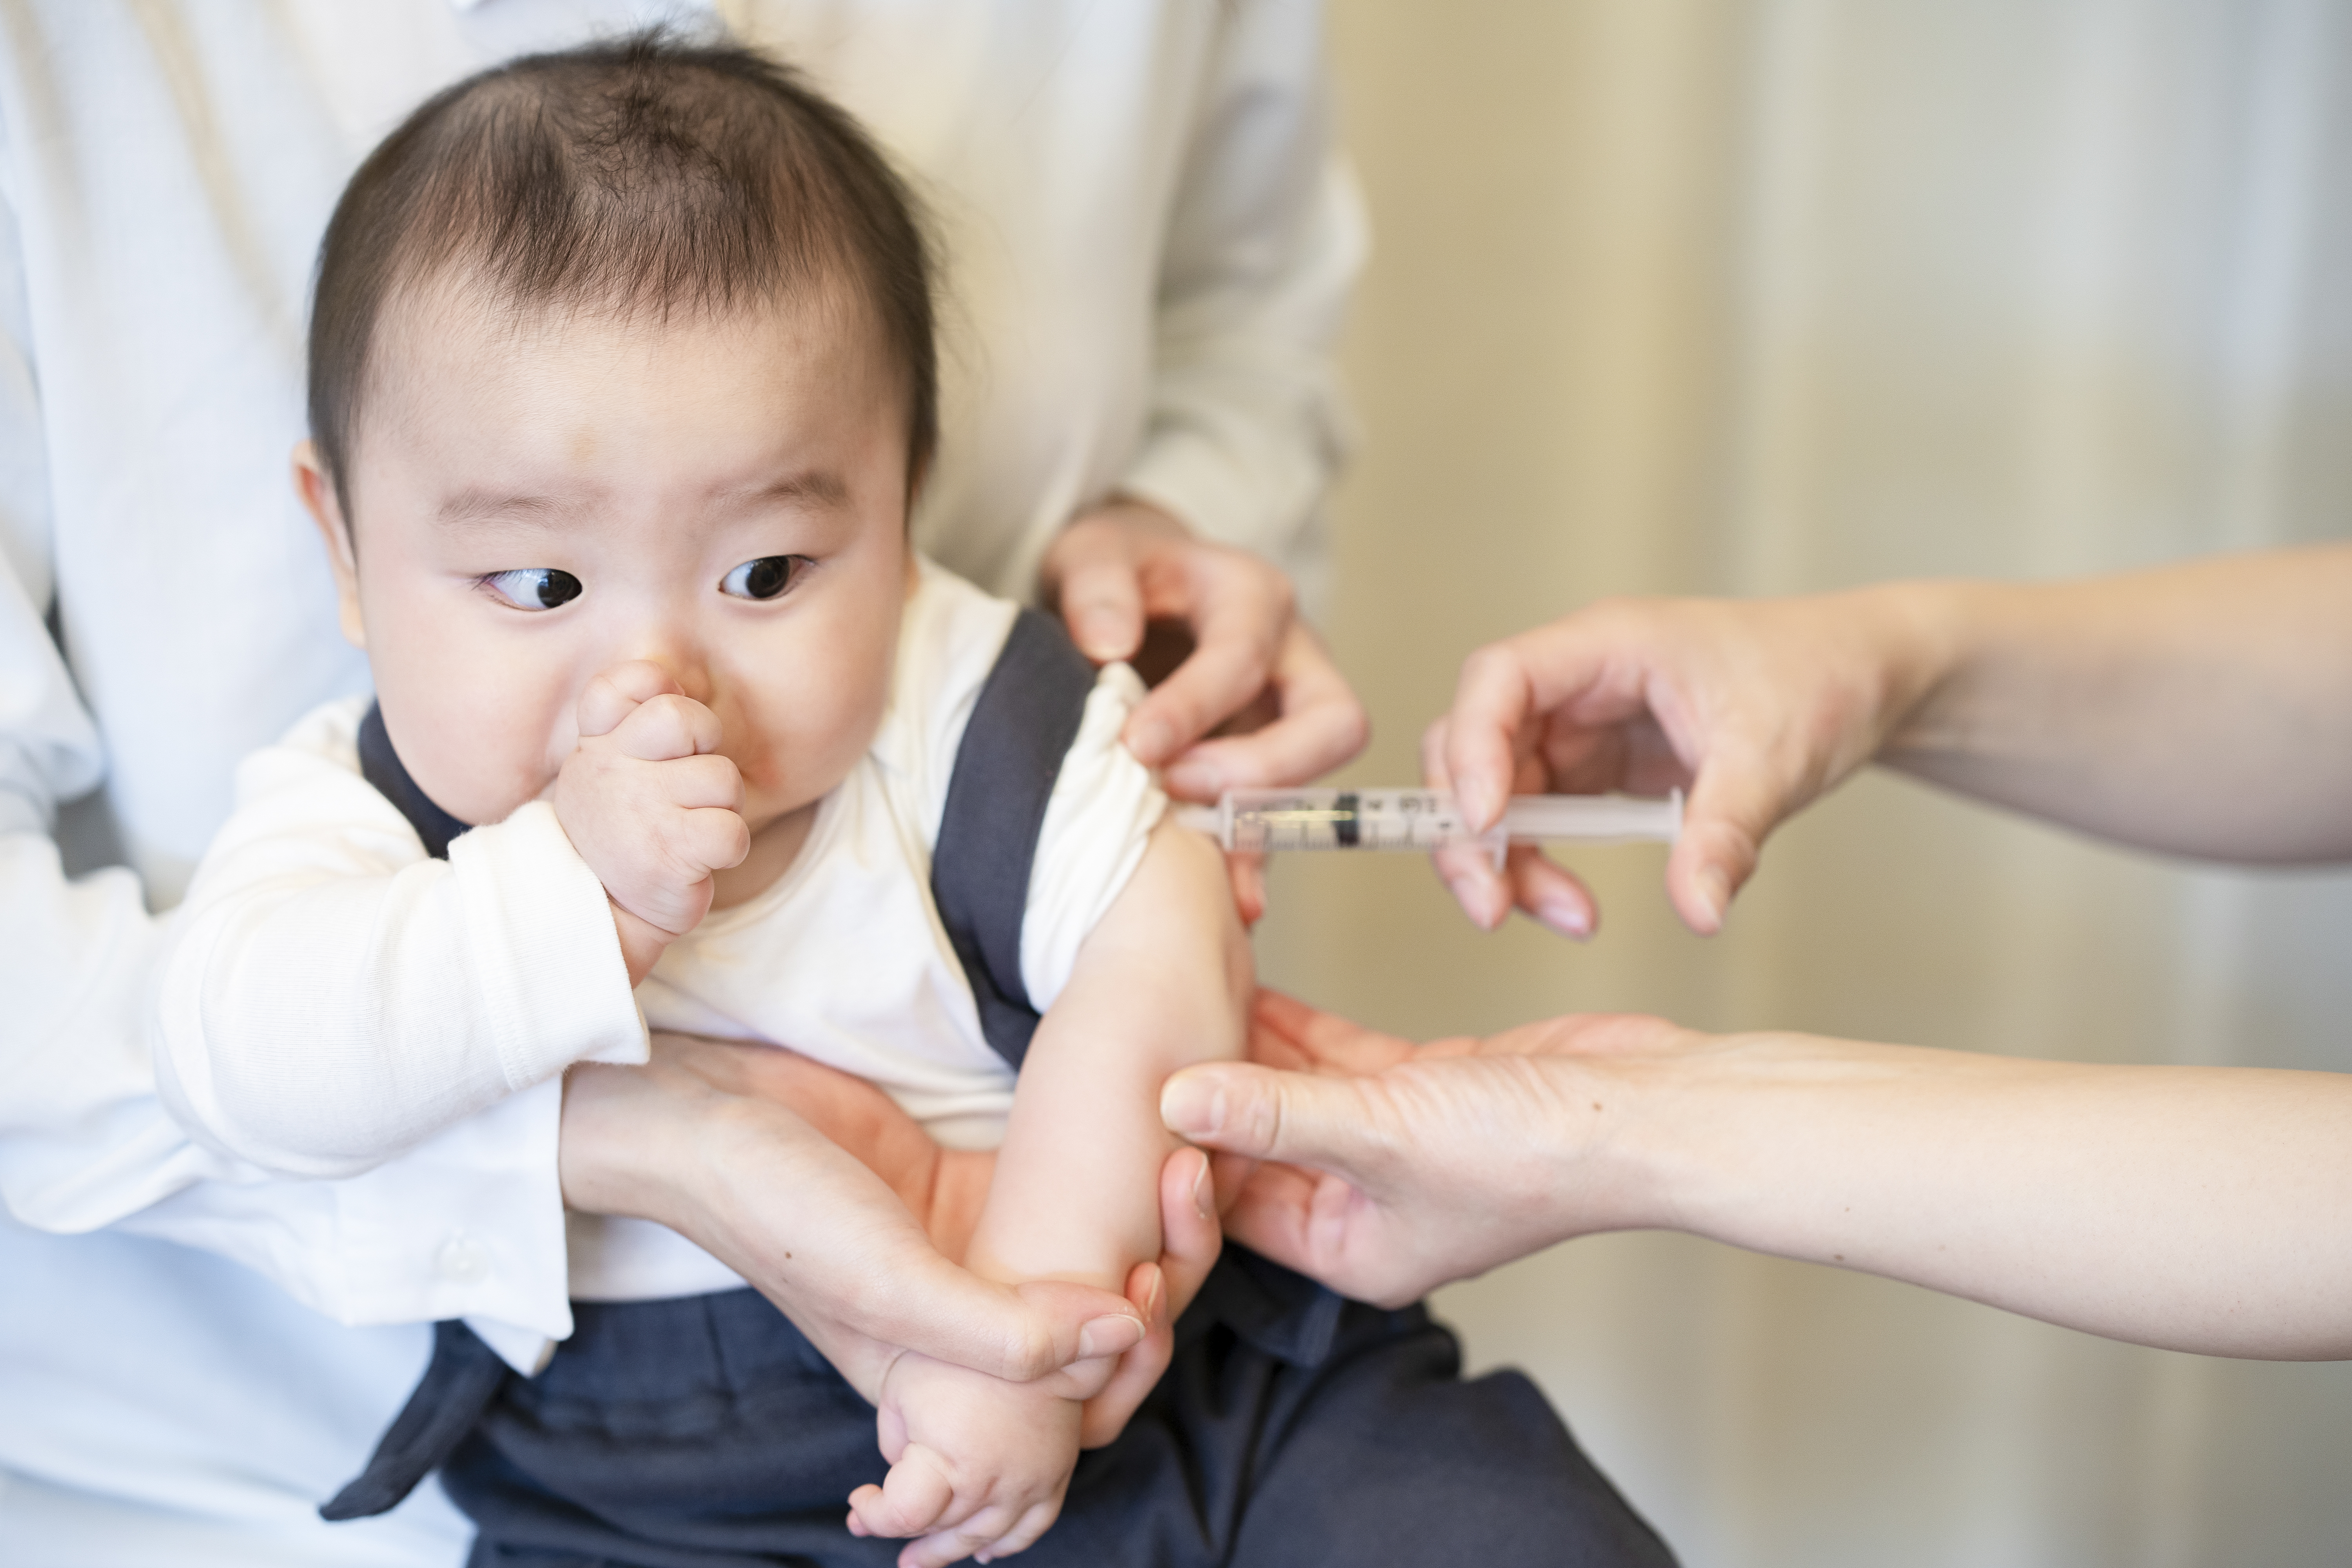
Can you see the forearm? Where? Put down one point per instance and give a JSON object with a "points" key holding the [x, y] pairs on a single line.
{"points": [[323, 1009], [2203, 709], [1161, 984], [2200, 1209]]}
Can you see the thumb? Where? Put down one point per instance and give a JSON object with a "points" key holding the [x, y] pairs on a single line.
{"points": [[1018, 1333], [1294, 1118], [1733, 805], [1099, 593]]}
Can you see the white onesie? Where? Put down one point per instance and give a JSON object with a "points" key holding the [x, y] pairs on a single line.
{"points": [[334, 995]]}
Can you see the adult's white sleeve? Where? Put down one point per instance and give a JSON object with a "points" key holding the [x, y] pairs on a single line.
{"points": [[1247, 425], [332, 996], [81, 1133], [467, 1225]]}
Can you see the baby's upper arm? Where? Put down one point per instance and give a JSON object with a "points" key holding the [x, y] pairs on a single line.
{"points": [[1170, 956], [1162, 982]]}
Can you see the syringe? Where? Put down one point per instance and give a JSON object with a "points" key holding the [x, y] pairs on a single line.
{"points": [[1256, 820]]}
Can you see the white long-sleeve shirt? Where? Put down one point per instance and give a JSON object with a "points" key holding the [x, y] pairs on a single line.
{"points": [[1148, 240], [332, 996]]}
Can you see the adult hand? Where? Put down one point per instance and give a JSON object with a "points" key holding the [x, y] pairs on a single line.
{"points": [[944, 1190], [1751, 707], [2192, 1208], [751, 1182], [1395, 1168], [1256, 677]]}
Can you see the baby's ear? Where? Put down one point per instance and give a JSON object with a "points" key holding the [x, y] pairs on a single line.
{"points": [[317, 491]]}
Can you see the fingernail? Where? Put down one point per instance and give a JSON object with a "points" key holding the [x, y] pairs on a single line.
{"points": [[1192, 1105], [1715, 892], [1154, 1298], [1101, 635], [1201, 1189], [1564, 916], [1109, 1336], [1475, 800], [1196, 779]]}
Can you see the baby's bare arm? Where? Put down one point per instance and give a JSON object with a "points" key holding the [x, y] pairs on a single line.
{"points": [[978, 1466], [1163, 982]]}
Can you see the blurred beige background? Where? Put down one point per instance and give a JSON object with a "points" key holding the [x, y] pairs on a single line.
{"points": [[1755, 296]]}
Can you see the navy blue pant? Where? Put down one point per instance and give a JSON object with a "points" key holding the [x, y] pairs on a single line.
{"points": [[1292, 1429]]}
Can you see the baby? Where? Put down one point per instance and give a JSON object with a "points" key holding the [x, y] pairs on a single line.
{"points": [[622, 384]]}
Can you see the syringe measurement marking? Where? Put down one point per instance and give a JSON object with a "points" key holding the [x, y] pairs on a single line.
{"points": [[1408, 823]]}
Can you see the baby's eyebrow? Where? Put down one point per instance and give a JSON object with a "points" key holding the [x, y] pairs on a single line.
{"points": [[504, 506], [821, 486]]}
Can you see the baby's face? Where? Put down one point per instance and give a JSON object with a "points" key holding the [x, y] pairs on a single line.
{"points": [[537, 503]]}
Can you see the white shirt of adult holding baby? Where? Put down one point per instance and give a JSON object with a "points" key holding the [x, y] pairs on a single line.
{"points": [[163, 176]]}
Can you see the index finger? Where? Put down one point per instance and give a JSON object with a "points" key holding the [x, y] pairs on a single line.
{"points": [[615, 693], [1095, 589], [1286, 1033], [1321, 725], [1501, 686], [1239, 612], [669, 727]]}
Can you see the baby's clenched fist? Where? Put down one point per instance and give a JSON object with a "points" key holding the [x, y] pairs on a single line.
{"points": [[977, 1467], [650, 805]]}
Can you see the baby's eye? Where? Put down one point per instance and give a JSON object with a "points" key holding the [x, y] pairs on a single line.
{"points": [[534, 587], [764, 578]]}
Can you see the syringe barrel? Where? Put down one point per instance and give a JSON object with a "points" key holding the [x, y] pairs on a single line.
{"points": [[1421, 819], [1270, 819]]}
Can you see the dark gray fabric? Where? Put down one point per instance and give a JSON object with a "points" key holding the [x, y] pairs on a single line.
{"points": [[461, 1380], [381, 767], [1293, 1429], [1021, 725]]}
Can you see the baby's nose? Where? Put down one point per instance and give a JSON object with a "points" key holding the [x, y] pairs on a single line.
{"points": [[680, 660]]}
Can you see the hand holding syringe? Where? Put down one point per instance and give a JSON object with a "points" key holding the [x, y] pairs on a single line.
{"points": [[1255, 821]]}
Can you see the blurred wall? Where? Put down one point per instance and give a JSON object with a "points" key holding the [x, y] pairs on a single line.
{"points": [[1760, 296]]}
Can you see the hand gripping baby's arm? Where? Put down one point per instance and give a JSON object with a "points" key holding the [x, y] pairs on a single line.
{"points": [[1162, 982]]}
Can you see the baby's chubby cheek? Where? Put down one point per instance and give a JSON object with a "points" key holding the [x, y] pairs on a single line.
{"points": [[481, 748], [479, 767], [797, 752]]}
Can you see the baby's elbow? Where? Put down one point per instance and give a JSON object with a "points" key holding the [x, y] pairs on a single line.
{"points": [[274, 1108], [266, 1119]]}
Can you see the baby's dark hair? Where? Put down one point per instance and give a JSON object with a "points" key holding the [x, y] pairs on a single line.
{"points": [[648, 174]]}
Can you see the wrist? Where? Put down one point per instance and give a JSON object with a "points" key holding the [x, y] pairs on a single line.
{"points": [[1000, 1260], [1650, 1163], [1757, 1134], [641, 941], [1931, 634], [629, 1139]]}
